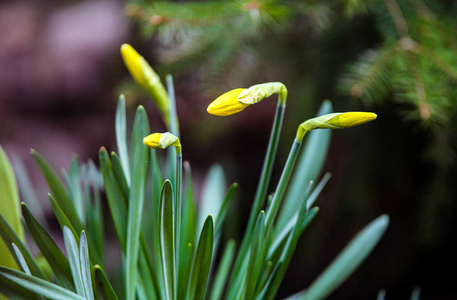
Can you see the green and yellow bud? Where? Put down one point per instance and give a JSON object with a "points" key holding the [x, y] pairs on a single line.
{"points": [[339, 120], [335, 121], [147, 78], [161, 140], [237, 100], [135, 63], [227, 104], [258, 92]]}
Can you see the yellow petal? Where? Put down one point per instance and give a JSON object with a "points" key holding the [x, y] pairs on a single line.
{"points": [[227, 104], [152, 140], [133, 61]]}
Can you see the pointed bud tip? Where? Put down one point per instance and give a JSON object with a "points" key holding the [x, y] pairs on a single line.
{"points": [[227, 104], [126, 47]]}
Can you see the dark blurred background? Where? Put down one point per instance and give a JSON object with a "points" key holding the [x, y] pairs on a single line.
{"points": [[61, 74]]}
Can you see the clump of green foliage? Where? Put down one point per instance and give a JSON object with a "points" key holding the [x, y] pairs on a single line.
{"points": [[168, 243]]}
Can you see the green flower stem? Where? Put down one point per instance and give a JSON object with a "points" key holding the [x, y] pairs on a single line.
{"points": [[267, 168], [283, 181], [275, 202], [178, 204], [263, 182], [160, 95], [173, 127], [173, 116]]}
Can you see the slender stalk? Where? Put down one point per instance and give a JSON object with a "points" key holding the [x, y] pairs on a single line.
{"points": [[173, 126], [263, 183], [178, 206], [282, 185]]}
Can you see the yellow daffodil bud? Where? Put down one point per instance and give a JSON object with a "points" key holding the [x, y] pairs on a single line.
{"points": [[238, 99], [135, 63], [339, 120], [258, 92], [227, 104], [147, 78], [162, 141]]}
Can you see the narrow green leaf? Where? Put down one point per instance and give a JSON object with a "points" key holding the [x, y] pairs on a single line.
{"points": [[119, 174], [73, 257], [212, 195], [61, 217], [272, 278], [167, 251], [264, 276], [20, 258], [317, 190], [121, 137], [9, 207], [153, 230], [188, 232], [38, 285], [117, 203], [289, 248], [12, 290], [225, 207], [186, 258], [308, 167], [94, 223], [235, 288], [348, 259], [139, 174], [85, 266], [58, 191], [156, 181], [282, 232], [26, 189], [255, 257], [51, 252], [116, 199], [103, 284], [9, 236], [189, 217], [415, 295], [149, 271], [73, 181], [223, 271], [381, 295], [277, 245], [173, 117], [144, 286], [262, 188], [202, 261]]}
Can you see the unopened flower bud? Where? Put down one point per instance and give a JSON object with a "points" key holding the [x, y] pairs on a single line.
{"points": [[161, 140], [258, 92], [236, 100], [227, 104]]}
